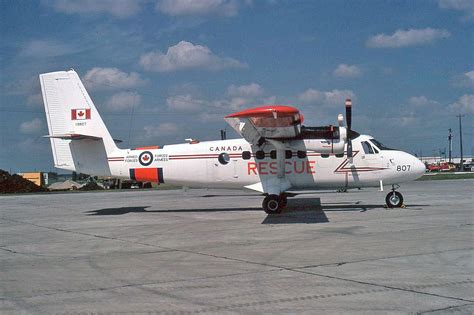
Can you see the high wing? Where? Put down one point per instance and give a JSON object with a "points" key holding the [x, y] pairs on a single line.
{"points": [[280, 126], [272, 124], [267, 122]]}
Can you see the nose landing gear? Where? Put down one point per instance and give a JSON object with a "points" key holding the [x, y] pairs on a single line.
{"points": [[394, 199]]}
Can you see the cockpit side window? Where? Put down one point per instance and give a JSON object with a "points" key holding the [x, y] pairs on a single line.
{"points": [[380, 145], [367, 147]]}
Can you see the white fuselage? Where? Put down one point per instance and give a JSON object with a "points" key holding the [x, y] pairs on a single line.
{"points": [[198, 165]]}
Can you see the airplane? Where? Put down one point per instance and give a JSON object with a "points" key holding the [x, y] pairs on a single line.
{"points": [[277, 154]]}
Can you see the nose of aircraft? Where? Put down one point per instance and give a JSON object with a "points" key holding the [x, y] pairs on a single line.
{"points": [[419, 167]]}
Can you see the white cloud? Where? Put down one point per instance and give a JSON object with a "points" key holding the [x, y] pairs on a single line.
{"points": [[464, 105], [250, 90], [184, 103], [403, 38], [420, 101], [117, 8], [111, 78], [270, 100], [470, 76], [31, 127], [34, 144], [243, 96], [161, 130], [347, 71], [207, 117], [46, 48], [235, 103], [186, 55], [122, 101], [23, 86], [334, 97], [466, 6], [35, 100], [464, 80], [200, 7], [406, 120]]}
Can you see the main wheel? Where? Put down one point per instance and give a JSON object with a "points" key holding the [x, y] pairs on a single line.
{"points": [[271, 204], [394, 199], [283, 201]]}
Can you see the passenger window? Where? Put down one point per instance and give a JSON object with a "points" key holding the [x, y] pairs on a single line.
{"points": [[367, 148], [223, 158], [301, 154], [246, 155], [273, 154], [288, 154], [260, 155]]}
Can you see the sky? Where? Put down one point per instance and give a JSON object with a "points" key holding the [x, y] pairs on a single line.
{"points": [[165, 70]]}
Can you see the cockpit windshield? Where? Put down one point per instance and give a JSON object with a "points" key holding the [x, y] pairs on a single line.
{"points": [[380, 145]]}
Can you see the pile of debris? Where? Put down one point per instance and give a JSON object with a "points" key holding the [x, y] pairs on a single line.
{"points": [[66, 185], [17, 184], [91, 186], [72, 185]]}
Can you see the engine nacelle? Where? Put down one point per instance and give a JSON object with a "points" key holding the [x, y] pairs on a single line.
{"points": [[325, 140]]}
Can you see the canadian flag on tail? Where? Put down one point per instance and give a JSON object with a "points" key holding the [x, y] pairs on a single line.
{"points": [[80, 113]]}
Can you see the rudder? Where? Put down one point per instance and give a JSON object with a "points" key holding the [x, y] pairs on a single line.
{"points": [[79, 138]]}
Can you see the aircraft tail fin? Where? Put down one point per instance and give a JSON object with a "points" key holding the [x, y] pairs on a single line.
{"points": [[79, 138]]}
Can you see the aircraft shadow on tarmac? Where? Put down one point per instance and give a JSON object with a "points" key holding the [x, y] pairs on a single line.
{"points": [[304, 210]]}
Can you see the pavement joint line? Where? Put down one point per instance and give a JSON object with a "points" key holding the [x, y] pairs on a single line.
{"points": [[170, 249], [88, 234], [9, 250], [449, 308], [262, 303], [83, 256], [333, 277], [383, 258], [249, 262], [131, 285], [270, 302], [294, 269], [284, 300], [386, 286]]}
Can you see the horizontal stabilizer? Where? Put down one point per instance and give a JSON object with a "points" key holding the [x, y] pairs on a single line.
{"points": [[73, 136]]}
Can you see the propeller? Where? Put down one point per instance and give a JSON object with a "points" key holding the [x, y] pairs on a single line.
{"points": [[349, 126]]}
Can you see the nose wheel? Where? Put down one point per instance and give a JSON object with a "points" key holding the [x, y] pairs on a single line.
{"points": [[273, 204], [394, 199]]}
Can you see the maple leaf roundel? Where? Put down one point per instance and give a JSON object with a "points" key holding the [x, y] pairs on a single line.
{"points": [[145, 158]]}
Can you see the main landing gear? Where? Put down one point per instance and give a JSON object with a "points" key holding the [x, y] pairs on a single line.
{"points": [[394, 199], [274, 203]]}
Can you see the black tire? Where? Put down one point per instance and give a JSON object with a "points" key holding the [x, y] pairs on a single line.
{"points": [[283, 201], [394, 199], [271, 204]]}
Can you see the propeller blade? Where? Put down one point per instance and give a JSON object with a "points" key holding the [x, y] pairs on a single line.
{"points": [[349, 126], [349, 148], [349, 113]]}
